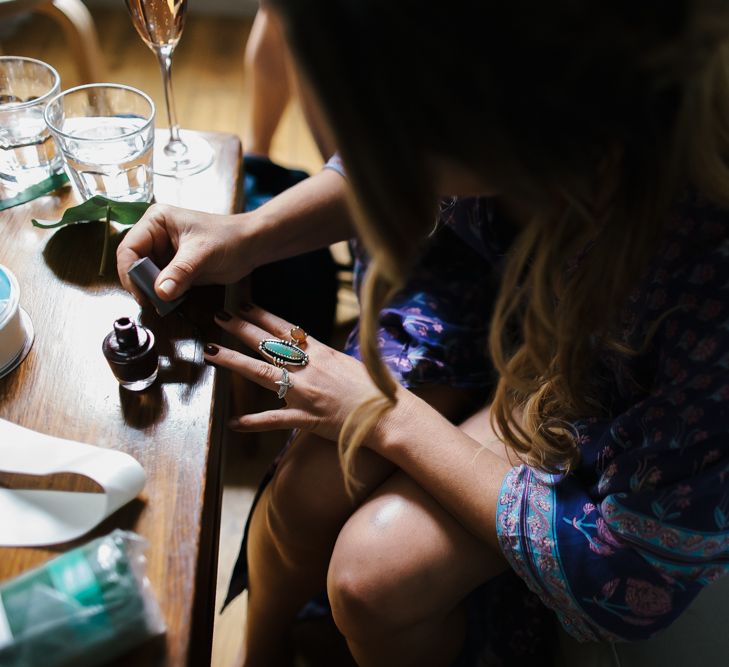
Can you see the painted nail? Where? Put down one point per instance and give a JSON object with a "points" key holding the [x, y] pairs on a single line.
{"points": [[211, 350], [223, 316], [245, 307]]}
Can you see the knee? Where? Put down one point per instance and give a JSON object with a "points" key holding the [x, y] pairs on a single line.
{"points": [[369, 592]]}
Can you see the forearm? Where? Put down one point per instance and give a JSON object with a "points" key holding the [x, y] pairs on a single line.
{"points": [[310, 215], [459, 472]]}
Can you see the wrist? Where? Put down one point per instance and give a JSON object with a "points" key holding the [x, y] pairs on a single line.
{"points": [[397, 426], [251, 232]]}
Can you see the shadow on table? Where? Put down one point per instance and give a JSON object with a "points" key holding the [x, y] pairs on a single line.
{"points": [[143, 408], [179, 342], [74, 254]]}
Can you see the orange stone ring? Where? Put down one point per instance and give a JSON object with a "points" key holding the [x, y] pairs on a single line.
{"points": [[298, 336]]}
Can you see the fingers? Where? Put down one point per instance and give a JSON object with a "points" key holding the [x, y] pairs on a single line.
{"points": [[272, 420], [263, 319], [129, 251], [247, 332], [264, 374], [177, 277], [147, 238], [254, 324], [166, 235]]}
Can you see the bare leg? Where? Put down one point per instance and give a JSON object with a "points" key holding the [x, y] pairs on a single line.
{"points": [[268, 72], [291, 538], [293, 531], [478, 426], [274, 81], [400, 570]]}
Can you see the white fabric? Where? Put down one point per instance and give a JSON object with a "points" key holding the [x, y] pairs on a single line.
{"points": [[38, 517]]}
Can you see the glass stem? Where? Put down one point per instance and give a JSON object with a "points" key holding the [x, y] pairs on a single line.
{"points": [[175, 146]]}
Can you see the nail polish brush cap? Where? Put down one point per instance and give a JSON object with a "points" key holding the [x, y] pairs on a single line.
{"points": [[143, 274]]}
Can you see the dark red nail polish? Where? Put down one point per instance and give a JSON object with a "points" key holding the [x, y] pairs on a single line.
{"points": [[131, 354], [211, 350], [245, 307], [223, 316]]}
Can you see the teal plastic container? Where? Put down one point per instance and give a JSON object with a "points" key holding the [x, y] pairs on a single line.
{"points": [[83, 608]]}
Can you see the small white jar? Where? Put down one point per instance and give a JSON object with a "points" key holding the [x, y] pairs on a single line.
{"points": [[16, 333]]}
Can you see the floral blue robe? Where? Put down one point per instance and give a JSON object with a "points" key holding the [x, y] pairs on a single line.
{"points": [[620, 548]]}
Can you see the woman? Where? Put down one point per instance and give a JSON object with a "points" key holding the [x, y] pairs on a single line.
{"points": [[602, 133]]}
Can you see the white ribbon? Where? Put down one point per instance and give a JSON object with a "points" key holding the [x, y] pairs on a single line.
{"points": [[35, 518]]}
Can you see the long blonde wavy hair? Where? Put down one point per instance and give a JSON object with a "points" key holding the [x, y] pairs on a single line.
{"points": [[596, 115]]}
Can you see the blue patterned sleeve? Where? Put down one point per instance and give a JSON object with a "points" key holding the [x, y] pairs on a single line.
{"points": [[621, 547]]}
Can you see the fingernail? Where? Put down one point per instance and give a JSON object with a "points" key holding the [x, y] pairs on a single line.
{"points": [[233, 423], [223, 316], [167, 287], [211, 350], [245, 307]]}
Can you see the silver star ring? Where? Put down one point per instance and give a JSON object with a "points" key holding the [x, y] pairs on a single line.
{"points": [[284, 384]]}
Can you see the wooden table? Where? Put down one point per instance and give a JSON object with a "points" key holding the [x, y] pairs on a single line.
{"points": [[65, 388]]}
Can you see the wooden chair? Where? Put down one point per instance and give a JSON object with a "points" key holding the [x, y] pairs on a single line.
{"points": [[77, 25]]}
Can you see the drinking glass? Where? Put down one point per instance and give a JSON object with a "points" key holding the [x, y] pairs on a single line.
{"points": [[159, 24], [105, 133], [27, 152]]}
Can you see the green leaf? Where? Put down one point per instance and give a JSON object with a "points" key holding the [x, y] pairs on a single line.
{"points": [[98, 208]]}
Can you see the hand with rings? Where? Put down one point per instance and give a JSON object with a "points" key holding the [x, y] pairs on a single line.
{"points": [[319, 385]]}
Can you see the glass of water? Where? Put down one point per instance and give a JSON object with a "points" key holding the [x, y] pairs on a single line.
{"points": [[105, 133], [27, 152]]}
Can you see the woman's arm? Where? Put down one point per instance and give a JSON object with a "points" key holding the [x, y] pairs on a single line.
{"points": [[462, 474], [310, 215]]}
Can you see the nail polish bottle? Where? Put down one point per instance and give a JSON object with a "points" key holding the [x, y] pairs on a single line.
{"points": [[129, 349]]}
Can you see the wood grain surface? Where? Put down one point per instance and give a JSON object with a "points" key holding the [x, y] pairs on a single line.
{"points": [[65, 388]]}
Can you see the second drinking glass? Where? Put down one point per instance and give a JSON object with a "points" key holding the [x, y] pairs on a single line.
{"points": [[105, 133]]}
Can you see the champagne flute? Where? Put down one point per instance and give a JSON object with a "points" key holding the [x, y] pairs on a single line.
{"points": [[160, 23]]}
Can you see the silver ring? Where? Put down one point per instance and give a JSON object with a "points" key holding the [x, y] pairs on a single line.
{"points": [[284, 384]]}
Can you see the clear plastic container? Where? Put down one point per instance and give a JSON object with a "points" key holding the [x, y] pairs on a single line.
{"points": [[83, 608]]}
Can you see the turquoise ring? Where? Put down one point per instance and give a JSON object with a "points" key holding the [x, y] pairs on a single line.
{"points": [[281, 352]]}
